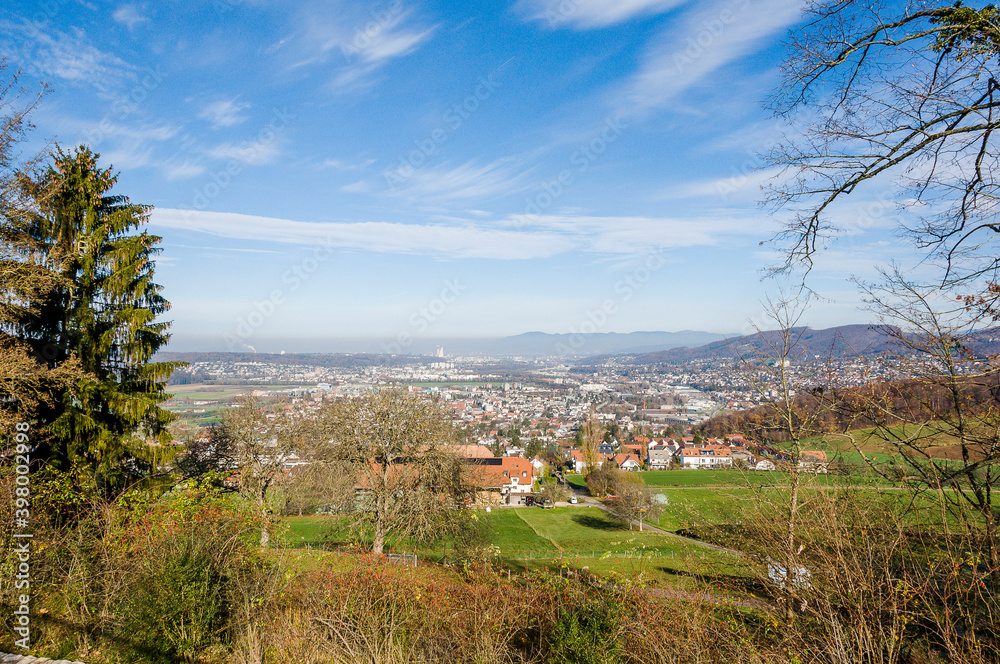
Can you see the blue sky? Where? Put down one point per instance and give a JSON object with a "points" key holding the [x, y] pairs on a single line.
{"points": [[419, 171]]}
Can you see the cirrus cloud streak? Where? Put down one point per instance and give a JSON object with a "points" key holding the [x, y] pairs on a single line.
{"points": [[544, 237]]}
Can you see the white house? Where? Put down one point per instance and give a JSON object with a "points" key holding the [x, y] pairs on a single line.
{"points": [[814, 461], [707, 456], [629, 462]]}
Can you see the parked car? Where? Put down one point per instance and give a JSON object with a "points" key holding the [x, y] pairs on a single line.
{"points": [[573, 500]]}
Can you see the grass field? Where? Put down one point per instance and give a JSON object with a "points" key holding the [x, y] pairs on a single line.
{"points": [[573, 537], [579, 537], [568, 530], [702, 505], [211, 399], [698, 477], [577, 530], [510, 532]]}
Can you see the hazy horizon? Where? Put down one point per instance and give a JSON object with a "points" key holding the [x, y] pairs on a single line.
{"points": [[416, 346]]}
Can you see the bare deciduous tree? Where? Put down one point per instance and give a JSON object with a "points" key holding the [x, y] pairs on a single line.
{"points": [[593, 434], [319, 484], [252, 444], [906, 97], [776, 368], [634, 500], [943, 417], [410, 483], [902, 95]]}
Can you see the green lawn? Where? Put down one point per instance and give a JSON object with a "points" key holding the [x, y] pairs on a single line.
{"points": [[699, 477], [702, 505], [583, 530], [526, 532], [512, 533], [567, 538], [590, 538], [703, 477], [307, 530]]}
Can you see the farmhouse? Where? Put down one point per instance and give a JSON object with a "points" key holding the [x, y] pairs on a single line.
{"points": [[814, 461], [503, 475]]}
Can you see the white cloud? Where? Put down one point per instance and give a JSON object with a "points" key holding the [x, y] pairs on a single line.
{"points": [[146, 132], [224, 113], [451, 241], [590, 13], [181, 170], [631, 235], [467, 181], [544, 237], [67, 56], [389, 45], [366, 40], [709, 38], [341, 165], [743, 186], [125, 159], [129, 16], [359, 187], [129, 146], [256, 153]]}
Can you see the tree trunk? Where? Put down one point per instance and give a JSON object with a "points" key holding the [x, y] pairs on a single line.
{"points": [[790, 567], [991, 544], [265, 535]]}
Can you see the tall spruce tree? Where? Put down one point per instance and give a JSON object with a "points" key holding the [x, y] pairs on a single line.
{"points": [[104, 315], [25, 275]]}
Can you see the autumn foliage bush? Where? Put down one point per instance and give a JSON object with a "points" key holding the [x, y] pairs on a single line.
{"points": [[150, 581], [183, 578]]}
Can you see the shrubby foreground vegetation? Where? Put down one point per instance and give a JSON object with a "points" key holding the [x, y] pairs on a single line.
{"points": [[182, 577]]}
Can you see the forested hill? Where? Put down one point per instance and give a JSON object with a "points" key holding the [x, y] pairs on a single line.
{"points": [[863, 407], [836, 342]]}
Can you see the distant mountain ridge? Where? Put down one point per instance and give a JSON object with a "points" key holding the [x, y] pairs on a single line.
{"points": [[545, 344], [836, 342], [595, 348], [529, 344]]}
